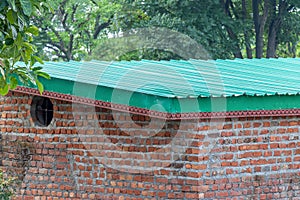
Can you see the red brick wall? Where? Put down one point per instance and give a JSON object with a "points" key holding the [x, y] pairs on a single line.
{"points": [[94, 153]]}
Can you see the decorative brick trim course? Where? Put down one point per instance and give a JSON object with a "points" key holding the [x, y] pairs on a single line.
{"points": [[157, 114]]}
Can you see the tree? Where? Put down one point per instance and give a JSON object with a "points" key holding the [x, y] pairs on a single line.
{"points": [[148, 43], [225, 28], [16, 33], [71, 32], [129, 48], [178, 16], [273, 19], [230, 28]]}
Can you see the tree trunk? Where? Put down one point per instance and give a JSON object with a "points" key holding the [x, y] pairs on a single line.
{"points": [[246, 35], [259, 23], [274, 27], [70, 48], [271, 49], [237, 50], [272, 30], [258, 37]]}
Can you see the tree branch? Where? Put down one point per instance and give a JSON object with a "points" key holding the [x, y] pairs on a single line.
{"points": [[99, 28], [63, 21], [226, 8], [57, 51], [74, 11], [237, 51], [70, 49], [264, 17], [94, 2], [63, 50], [246, 34], [233, 9], [61, 42]]}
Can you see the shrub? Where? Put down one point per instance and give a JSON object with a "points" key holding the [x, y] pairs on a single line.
{"points": [[7, 189]]}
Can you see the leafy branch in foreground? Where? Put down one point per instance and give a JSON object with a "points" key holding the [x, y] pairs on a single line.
{"points": [[16, 35]]}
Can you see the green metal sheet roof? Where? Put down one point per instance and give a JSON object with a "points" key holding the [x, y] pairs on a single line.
{"points": [[173, 86]]}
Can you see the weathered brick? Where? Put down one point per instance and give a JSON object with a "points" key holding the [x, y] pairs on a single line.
{"points": [[239, 158]]}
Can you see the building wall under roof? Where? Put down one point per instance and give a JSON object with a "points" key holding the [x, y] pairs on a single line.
{"points": [[96, 153]]}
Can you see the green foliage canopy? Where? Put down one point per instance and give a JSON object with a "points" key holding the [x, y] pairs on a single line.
{"points": [[229, 28], [81, 29], [72, 30], [16, 36]]}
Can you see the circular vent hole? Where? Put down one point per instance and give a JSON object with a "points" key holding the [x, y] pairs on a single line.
{"points": [[41, 111]]}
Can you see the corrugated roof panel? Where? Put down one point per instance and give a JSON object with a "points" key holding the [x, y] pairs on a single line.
{"points": [[256, 78], [186, 78]]}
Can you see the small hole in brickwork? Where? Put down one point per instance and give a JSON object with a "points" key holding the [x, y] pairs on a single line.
{"points": [[41, 111]]}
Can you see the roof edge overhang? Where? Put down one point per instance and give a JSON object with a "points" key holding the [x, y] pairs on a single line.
{"points": [[163, 115]]}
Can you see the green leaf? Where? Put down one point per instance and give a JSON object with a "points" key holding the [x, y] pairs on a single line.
{"points": [[6, 64], [40, 86], [36, 68], [28, 53], [1, 37], [14, 32], [9, 41], [11, 16], [13, 83], [44, 75], [33, 30], [3, 4], [19, 41], [21, 23], [16, 53], [38, 59], [28, 45], [12, 3], [24, 57], [27, 7], [4, 90], [32, 61]]}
